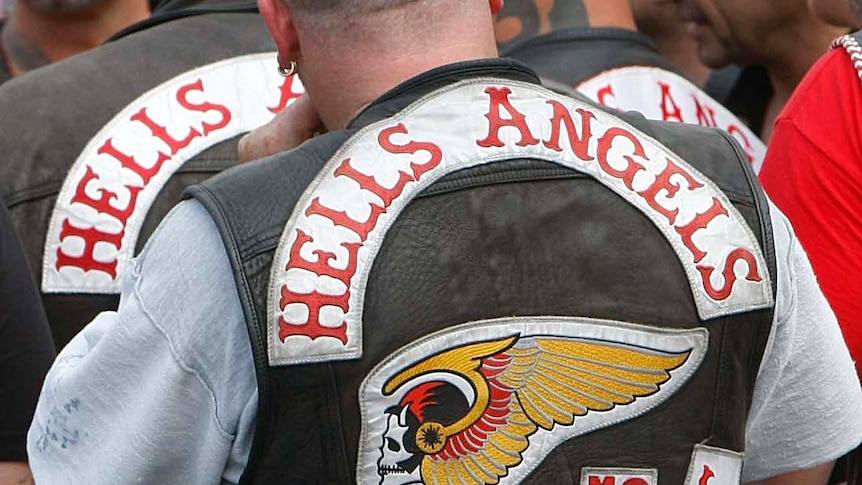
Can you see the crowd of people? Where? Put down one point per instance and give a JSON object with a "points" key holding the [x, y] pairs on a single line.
{"points": [[595, 242]]}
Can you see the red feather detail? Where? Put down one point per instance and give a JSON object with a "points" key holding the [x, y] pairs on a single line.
{"points": [[494, 417], [419, 399]]}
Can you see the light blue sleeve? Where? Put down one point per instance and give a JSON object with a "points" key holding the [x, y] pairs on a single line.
{"points": [[163, 390]]}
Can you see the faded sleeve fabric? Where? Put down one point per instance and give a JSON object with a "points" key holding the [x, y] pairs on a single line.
{"points": [[26, 348], [163, 390], [813, 172], [807, 406]]}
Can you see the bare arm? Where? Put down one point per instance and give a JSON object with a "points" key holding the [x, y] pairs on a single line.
{"points": [[818, 475], [15, 473]]}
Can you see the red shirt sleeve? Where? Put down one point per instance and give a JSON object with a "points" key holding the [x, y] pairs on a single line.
{"points": [[813, 172]]}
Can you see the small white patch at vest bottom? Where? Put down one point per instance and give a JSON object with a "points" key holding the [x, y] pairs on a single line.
{"points": [[618, 476], [113, 183], [659, 94], [714, 466]]}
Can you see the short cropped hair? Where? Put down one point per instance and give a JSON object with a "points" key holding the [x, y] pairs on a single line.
{"points": [[348, 6]]}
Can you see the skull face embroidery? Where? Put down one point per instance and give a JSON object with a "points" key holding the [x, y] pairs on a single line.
{"points": [[394, 465], [401, 449]]}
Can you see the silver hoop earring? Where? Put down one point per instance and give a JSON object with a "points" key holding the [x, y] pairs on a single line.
{"points": [[287, 71]]}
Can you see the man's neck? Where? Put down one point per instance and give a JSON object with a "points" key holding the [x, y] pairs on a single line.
{"points": [[678, 48], [802, 45], [341, 90], [610, 13], [31, 39]]}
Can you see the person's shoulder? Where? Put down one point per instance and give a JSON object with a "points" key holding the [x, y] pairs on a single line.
{"points": [[831, 83], [257, 198]]}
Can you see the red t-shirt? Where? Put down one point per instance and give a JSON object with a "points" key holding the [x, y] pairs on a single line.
{"points": [[813, 172]]}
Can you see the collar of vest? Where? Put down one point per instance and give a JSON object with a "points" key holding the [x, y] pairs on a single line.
{"points": [[168, 10], [580, 34], [409, 91]]}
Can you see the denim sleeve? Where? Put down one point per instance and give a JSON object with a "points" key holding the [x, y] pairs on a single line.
{"points": [[163, 389]]}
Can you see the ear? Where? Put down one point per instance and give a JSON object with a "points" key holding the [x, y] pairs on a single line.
{"points": [[496, 6], [280, 24]]}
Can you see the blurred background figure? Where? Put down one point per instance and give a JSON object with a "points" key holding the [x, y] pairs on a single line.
{"points": [[813, 173], [616, 65], [26, 353], [96, 149], [660, 21], [38, 32], [846, 13], [776, 42]]}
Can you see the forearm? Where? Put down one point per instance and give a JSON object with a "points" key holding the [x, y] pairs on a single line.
{"points": [[818, 475], [15, 473]]}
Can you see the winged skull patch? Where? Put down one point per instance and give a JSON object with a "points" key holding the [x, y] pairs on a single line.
{"points": [[486, 402]]}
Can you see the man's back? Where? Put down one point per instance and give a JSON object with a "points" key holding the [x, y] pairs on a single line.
{"points": [[622, 69], [97, 149]]}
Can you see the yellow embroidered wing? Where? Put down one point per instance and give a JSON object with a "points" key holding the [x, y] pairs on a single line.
{"points": [[523, 384]]}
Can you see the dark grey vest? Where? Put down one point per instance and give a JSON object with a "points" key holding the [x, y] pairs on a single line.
{"points": [[573, 56], [513, 238], [51, 116]]}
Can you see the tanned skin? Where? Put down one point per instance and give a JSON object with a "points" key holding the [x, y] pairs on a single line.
{"points": [[39, 33], [523, 19]]}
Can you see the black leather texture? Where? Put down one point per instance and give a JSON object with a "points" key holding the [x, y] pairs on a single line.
{"points": [[514, 238]]}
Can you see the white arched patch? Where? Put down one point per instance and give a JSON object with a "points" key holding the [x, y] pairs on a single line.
{"points": [[536, 383], [659, 94], [116, 178], [328, 246]]}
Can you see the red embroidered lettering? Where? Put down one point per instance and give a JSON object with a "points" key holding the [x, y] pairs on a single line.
{"points": [[737, 133], [322, 266], [340, 218], [669, 109], [368, 183], [87, 260], [663, 182], [594, 480], [316, 300], [313, 329], [161, 132], [103, 203], [500, 99], [729, 274], [635, 481], [605, 144], [411, 147], [562, 117], [604, 93], [205, 107], [705, 114], [287, 95], [145, 173], [707, 474], [698, 223]]}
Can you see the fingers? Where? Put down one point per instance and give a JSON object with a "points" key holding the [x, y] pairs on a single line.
{"points": [[289, 129]]}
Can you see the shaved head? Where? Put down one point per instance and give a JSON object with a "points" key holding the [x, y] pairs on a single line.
{"points": [[63, 6], [354, 6], [523, 19]]}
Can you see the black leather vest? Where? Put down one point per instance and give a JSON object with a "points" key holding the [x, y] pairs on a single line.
{"points": [[63, 115], [622, 69], [596, 49], [517, 237]]}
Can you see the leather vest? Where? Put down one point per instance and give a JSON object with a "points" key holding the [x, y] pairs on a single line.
{"points": [[98, 148], [623, 70], [527, 249]]}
